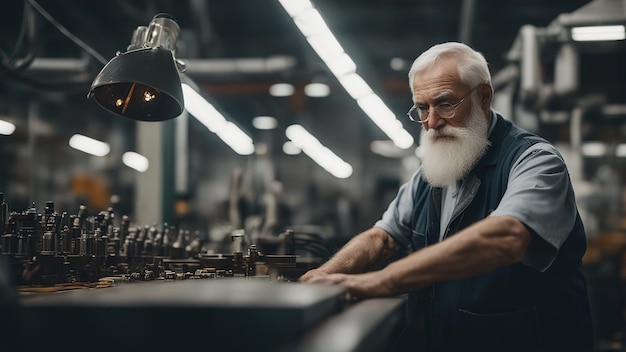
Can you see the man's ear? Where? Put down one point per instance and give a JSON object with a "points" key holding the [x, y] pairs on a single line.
{"points": [[486, 96]]}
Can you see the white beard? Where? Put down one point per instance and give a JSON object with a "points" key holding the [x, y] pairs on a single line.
{"points": [[447, 160]]}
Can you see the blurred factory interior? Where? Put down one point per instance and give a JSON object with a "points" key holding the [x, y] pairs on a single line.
{"points": [[264, 75]]}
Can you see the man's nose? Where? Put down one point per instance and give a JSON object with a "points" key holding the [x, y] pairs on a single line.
{"points": [[434, 121]]}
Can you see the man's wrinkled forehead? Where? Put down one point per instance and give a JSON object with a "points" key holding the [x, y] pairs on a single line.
{"points": [[444, 70]]}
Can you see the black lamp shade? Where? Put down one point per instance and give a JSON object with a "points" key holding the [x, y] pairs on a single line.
{"points": [[142, 84]]}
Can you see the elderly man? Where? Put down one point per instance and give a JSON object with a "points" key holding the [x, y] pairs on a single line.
{"points": [[490, 219]]}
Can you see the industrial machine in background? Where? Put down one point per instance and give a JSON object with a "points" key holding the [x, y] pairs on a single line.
{"points": [[566, 82]]}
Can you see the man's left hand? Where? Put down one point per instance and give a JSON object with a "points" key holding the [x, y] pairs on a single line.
{"points": [[372, 284]]}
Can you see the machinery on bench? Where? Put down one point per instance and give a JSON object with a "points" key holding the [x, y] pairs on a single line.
{"points": [[79, 281]]}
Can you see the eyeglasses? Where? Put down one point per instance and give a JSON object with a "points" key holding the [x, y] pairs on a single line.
{"points": [[444, 110]]}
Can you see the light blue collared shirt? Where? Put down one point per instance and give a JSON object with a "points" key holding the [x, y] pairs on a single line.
{"points": [[539, 194]]}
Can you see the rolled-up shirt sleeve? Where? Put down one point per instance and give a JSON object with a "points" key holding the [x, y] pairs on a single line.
{"points": [[396, 220], [539, 194]]}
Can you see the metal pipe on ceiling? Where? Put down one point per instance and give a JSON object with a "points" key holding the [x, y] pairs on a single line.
{"points": [[467, 21]]}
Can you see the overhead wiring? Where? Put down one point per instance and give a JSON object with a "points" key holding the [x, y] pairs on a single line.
{"points": [[26, 36], [67, 33], [12, 65]]}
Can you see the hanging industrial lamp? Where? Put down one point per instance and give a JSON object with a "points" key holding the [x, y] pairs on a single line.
{"points": [[143, 83]]}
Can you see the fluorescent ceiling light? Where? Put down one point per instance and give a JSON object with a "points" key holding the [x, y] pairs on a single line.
{"points": [[594, 149], [313, 27], [291, 149], [325, 45], [310, 22], [386, 120], [317, 90], [387, 149], [264, 123], [397, 64], [614, 110], [281, 90], [341, 65], [228, 132], [202, 109], [598, 33], [295, 7], [323, 156], [237, 139], [135, 161], [355, 85], [89, 145], [6, 128]]}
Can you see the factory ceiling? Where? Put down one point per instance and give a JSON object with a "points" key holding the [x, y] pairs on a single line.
{"points": [[214, 33]]}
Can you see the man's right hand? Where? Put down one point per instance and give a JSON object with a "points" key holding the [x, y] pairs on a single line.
{"points": [[312, 274]]}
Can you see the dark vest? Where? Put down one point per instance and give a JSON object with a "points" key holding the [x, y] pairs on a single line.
{"points": [[514, 308]]}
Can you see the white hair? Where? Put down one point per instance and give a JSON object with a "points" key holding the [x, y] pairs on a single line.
{"points": [[472, 65]]}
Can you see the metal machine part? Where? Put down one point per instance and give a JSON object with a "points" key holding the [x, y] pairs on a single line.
{"points": [[53, 249]]}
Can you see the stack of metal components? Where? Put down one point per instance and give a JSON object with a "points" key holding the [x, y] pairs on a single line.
{"points": [[52, 248]]}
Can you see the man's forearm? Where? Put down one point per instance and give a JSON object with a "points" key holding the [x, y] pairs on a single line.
{"points": [[367, 249], [482, 247]]}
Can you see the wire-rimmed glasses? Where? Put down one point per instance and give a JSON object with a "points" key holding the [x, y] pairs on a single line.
{"points": [[420, 113]]}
